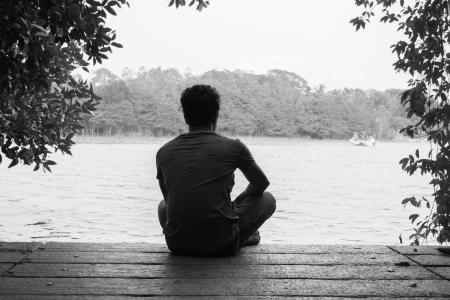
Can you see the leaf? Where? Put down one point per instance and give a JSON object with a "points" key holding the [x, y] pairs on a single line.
{"points": [[42, 29], [92, 3], [435, 181], [49, 163], [103, 56], [403, 161], [110, 10], [46, 167], [413, 217], [65, 149], [117, 45], [406, 200], [14, 162], [113, 3]]}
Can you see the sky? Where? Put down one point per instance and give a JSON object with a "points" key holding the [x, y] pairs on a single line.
{"points": [[311, 38]]}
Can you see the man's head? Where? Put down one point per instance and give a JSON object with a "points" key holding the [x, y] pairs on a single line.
{"points": [[201, 104]]}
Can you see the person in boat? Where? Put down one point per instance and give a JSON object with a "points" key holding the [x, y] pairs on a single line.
{"points": [[196, 175]]}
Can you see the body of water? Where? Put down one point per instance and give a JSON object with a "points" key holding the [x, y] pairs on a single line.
{"points": [[327, 192]]}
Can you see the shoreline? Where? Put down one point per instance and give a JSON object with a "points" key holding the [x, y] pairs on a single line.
{"points": [[270, 242], [143, 139]]}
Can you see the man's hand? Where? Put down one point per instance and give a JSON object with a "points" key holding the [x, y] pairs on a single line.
{"points": [[258, 181]]}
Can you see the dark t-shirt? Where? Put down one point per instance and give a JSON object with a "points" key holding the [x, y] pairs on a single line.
{"points": [[197, 171]]}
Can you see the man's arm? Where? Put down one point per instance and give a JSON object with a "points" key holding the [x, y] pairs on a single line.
{"points": [[258, 181], [163, 188], [162, 185]]}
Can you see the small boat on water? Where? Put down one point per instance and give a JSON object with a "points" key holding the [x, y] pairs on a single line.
{"points": [[362, 140]]}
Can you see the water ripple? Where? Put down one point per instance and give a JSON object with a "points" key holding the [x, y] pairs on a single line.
{"points": [[327, 192]]}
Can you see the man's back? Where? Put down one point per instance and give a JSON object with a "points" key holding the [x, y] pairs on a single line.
{"points": [[196, 176], [197, 173]]}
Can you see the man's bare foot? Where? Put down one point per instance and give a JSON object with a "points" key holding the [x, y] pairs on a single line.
{"points": [[254, 239]]}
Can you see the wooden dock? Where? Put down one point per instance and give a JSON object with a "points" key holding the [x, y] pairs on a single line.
{"points": [[137, 271]]}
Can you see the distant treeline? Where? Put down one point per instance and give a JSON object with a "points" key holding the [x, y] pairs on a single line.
{"points": [[278, 103]]}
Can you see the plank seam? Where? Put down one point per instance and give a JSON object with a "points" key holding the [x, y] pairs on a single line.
{"points": [[240, 253], [268, 296], [19, 261], [194, 264], [418, 263], [278, 278], [205, 296]]}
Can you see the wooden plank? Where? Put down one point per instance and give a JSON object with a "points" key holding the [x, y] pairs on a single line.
{"points": [[221, 271], [416, 250], [109, 297], [4, 267], [443, 271], [229, 287], [240, 259], [18, 246], [11, 256], [264, 248], [432, 260], [106, 247]]}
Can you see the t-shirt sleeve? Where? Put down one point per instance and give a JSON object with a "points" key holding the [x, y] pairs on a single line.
{"points": [[244, 156]]}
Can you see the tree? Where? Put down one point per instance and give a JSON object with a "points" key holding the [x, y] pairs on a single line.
{"points": [[425, 25], [278, 103], [41, 43]]}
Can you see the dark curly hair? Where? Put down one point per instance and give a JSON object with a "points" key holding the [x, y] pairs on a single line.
{"points": [[201, 104]]}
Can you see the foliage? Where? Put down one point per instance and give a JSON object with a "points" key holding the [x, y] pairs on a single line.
{"points": [[41, 43], [278, 103], [423, 54], [200, 3]]}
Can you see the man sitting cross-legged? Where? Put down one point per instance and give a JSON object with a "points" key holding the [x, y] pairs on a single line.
{"points": [[196, 175]]}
